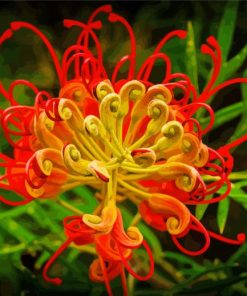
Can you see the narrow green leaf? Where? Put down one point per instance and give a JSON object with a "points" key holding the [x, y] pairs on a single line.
{"points": [[225, 114], [45, 255], [238, 194], [87, 200], [186, 261], [201, 208], [222, 213], [14, 212], [241, 128], [227, 26], [16, 230], [191, 63], [42, 219], [230, 67], [6, 250]]}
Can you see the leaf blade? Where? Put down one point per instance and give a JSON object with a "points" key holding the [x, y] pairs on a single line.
{"points": [[222, 213]]}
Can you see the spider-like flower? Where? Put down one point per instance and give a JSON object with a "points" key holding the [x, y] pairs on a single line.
{"points": [[127, 138]]}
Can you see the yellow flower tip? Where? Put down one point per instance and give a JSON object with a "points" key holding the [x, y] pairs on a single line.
{"points": [[65, 113], [49, 124], [186, 145], [161, 92], [134, 94], [172, 224], [77, 95], [74, 162], [47, 166], [74, 153], [103, 89]]}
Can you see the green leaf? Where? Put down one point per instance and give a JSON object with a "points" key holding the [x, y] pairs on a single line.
{"points": [[241, 128], [230, 67], [45, 255], [186, 261], [191, 63], [88, 202], [222, 213], [17, 230], [201, 208], [225, 114], [238, 194], [227, 26]]}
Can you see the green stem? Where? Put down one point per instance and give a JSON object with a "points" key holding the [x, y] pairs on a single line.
{"points": [[69, 207]]}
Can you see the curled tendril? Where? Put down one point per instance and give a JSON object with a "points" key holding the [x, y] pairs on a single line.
{"points": [[146, 68], [131, 271], [198, 227]]}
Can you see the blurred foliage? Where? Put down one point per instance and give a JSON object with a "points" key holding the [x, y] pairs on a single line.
{"points": [[31, 233]]}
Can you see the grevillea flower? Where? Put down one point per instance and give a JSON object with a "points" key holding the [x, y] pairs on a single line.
{"points": [[127, 138]]}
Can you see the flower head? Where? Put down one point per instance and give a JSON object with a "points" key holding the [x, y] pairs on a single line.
{"points": [[127, 138]]}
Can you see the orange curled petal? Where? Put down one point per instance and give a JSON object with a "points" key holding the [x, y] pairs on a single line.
{"points": [[75, 91], [106, 245], [185, 176], [43, 130], [202, 157], [151, 218], [96, 274], [174, 212], [190, 149], [132, 239], [103, 223]]}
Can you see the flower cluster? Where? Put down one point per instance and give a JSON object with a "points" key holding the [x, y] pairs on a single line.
{"points": [[126, 138]]}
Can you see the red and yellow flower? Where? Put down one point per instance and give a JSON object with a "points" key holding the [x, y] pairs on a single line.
{"points": [[127, 138]]}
